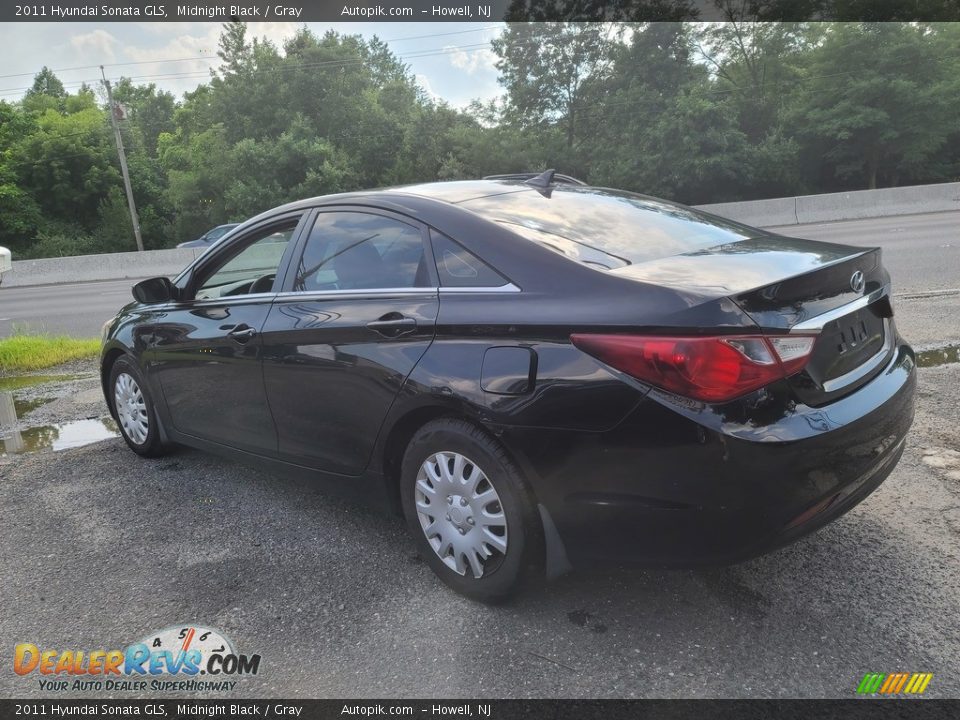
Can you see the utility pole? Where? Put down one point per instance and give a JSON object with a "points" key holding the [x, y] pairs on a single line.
{"points": [[134, 218]]}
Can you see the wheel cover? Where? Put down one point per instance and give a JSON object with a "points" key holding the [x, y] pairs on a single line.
{"points": [[131, 408], [460, 513]]}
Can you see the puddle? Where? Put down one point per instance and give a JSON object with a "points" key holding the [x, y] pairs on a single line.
{"points": [[59, 436], [939, 356], [62, 436], [18, 382], [22, 407]]}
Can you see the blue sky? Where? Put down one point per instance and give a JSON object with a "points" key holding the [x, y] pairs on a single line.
{"points": [[454, 63]]}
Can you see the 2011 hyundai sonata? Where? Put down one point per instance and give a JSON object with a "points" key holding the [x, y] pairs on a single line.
{"points": [[538, 373]]}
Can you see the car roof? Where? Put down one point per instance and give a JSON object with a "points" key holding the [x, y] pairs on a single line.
{"points": [[459, 191], [453, 192]]}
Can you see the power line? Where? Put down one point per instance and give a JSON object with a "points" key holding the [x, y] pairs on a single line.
{"points": [[282, 68], [212, 58]]}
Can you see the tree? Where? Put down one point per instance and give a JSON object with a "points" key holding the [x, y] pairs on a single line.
{"points": [[876, 103], [546, 67], [46, 93]]}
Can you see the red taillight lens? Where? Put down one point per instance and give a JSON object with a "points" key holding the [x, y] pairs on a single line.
{"points": [[712, 369]]}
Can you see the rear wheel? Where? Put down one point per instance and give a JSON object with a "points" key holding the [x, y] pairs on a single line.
{"points": [[469, 509], [134, 409]]}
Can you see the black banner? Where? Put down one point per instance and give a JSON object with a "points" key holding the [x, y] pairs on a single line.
{"points": [[478, 10], [865, 709]]}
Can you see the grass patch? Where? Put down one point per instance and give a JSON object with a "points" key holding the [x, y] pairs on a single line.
{"points": [[21, 353]]}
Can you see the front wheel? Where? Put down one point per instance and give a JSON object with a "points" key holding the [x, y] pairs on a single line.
{"points": [[469, 509], [133, 408]]}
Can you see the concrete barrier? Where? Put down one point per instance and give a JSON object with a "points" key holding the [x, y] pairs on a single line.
{"points": [[878, 203], [761, 213], [831, 207], [112, 266]]}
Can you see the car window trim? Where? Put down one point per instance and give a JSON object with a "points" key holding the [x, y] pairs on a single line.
{"points": [[287, 287], [389, 292]]}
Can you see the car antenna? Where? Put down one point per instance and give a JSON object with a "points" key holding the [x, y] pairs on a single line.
{"points": [[543, 180]]}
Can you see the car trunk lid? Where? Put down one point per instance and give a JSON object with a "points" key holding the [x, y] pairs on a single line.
{"points": [[788, 285]]}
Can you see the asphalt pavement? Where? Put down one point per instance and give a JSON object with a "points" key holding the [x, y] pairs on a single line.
{"points": [[77, 309], [922, 253]]}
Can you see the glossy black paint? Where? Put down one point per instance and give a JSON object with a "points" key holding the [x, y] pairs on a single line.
{"points": [[330, 379], [331, 385]]}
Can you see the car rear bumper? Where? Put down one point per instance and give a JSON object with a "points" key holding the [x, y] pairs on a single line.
{"points": [[683, 485]]}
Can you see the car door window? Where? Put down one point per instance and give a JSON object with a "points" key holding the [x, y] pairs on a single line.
{"points": [[361, 251], [252, 268], [458, 267]]}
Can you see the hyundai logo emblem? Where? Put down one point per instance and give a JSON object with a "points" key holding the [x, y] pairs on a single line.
{"points": [[857, 282]]}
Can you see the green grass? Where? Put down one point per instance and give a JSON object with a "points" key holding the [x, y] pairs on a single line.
{"points": [[21, 353]]}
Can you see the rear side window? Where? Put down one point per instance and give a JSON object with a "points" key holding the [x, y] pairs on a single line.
{"points": [[361, 251], [608, 229], [458, 267]]}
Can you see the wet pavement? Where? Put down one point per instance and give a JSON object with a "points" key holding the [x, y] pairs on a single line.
{"points": [[939, 356], [52, 411]]}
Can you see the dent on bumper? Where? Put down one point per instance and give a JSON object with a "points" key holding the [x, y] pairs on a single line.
{"points": [[673, 486]]}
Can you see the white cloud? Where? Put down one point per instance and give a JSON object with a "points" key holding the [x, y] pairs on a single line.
{"points": [[99, 42], [424, 83], [186, 60], [179, 64], [471, 60], [275, 32]]}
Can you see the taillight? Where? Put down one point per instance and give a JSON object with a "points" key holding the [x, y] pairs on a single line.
{"points": [[712, 369]]}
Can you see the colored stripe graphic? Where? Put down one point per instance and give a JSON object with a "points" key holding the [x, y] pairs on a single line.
{"points": [[870, 683], [894, 683]]}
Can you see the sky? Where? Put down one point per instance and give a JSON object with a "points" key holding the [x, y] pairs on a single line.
{"points": [[450, 61]]}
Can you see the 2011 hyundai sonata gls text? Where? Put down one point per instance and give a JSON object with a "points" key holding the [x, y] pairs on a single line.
{"points": [[537, 373]]}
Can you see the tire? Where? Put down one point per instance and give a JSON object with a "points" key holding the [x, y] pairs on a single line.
{"points": [[506, 546], [143, 435]]}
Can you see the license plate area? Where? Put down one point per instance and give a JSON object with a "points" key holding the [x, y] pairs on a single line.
{"points": [[848, 342]]}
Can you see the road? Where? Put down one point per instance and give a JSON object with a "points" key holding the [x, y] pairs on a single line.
{"points": [[77, 309], [922, 253]]}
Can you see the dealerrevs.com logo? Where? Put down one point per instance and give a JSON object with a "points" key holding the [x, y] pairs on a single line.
{"points": [[179, 658]]}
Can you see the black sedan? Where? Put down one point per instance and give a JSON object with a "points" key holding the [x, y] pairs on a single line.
{"points": [[537, 374]]}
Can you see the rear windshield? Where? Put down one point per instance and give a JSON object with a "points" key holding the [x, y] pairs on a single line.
{"points": [[608, 228]]}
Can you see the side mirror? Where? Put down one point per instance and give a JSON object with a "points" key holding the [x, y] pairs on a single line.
{"points": [[154, 290]]}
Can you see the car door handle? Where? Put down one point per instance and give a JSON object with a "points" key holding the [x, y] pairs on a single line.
{"points": [[242, 333], [393, 324]]}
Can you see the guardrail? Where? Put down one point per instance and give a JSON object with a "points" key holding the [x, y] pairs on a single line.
{"points": [[761, 213]]}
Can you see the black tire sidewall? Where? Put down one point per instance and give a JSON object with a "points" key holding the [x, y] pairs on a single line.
{"points": [[152, 445], [524, 553]]}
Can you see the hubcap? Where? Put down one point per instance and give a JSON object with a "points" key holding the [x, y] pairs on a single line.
{"points": [[131, 408], [460, 513]]}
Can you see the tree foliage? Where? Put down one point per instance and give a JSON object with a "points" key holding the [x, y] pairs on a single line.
{"points": [[688, 111]]}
